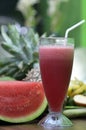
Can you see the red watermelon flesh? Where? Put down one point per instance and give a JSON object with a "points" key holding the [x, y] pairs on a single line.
{"points": [[21, 101]]}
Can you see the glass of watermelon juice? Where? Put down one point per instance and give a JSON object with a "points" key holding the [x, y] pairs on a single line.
{"points": [[56, 60]]}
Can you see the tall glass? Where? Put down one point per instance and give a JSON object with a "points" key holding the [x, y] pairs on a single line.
{"points": [[56, 59]]}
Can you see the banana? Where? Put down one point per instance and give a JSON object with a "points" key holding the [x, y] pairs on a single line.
{"points": [[80, 90], [76, 87], [71, 89], [76, 82]]}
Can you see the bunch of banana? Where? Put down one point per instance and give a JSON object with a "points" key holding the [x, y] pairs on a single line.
{"points": [[76, 87]]}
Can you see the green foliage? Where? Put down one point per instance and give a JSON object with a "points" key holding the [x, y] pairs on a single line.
{"points": [[83, 28], [21, 44], [66, 13], [42, 20], [71, 11]]}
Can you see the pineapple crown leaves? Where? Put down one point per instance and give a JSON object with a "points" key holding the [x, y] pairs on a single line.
{"points": [[20, 41], [22, 44]]}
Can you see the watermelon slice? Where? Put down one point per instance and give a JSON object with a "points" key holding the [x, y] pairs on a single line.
{"points": [[21, 101]]}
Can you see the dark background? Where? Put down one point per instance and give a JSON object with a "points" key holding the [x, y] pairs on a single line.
{"points": [[8, 12]]}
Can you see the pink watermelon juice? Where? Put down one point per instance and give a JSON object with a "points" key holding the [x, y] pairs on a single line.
{"points": [[56, 66]]}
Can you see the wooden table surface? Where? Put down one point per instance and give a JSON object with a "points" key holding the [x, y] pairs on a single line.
{"points": [[78, 124]]}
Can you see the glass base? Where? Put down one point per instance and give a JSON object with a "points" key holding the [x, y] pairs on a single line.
{"points": [[55, 119]]}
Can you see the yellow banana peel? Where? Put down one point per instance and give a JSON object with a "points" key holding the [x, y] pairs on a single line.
{"points": [[76, 87], [71, 89], [80, 90]]}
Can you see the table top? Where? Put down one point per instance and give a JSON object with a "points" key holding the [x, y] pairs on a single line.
{"points": [[78, 124]]}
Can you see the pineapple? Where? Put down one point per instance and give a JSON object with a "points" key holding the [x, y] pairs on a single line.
{"points": [[20, 50], [33, 75]]}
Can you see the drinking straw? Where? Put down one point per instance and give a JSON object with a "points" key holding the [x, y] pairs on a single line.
{"points": [[73, 27]]}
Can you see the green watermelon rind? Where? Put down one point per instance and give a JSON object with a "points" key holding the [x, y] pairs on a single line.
{"points": [[29, 117]]}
